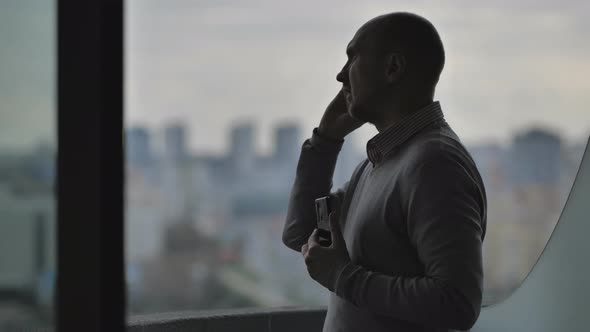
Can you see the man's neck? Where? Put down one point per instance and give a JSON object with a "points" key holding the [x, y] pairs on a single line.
{"points": [[392, 113]]}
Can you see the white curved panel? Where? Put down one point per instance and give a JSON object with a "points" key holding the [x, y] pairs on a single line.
{"points": [[556, 294]]}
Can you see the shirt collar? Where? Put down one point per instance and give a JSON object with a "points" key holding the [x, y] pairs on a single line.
{"points": [[381, 145]]}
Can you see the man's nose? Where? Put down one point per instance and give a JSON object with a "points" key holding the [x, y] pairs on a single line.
{"points": [[340, 77]]}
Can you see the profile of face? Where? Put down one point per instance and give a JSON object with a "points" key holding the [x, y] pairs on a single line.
{"points": [[366, 77]]}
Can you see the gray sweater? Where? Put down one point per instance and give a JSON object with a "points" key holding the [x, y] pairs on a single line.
{"points": [[414, 227]]}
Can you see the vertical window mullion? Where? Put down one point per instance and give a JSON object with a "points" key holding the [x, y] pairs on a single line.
{"points": [[90, 281]]}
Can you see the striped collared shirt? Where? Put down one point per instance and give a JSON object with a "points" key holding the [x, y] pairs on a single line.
{"points": [[383, 144]]}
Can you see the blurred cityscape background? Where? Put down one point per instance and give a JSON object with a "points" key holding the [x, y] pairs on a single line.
{"points": [[217, 221], [204, 231]]}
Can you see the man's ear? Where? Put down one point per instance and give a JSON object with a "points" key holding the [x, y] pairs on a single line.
{"points": [[396, 66]]}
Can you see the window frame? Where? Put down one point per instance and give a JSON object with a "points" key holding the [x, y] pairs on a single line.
{"points": [[90, 285]]}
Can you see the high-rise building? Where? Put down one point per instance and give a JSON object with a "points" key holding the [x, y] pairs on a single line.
{"points": [[175, 143], [242, 152], [536, 166], [287, 143], [138, 148], [536, 158]]}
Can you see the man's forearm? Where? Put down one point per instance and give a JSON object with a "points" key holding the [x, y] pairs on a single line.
{"points": [[313, 179], [416, 299]]}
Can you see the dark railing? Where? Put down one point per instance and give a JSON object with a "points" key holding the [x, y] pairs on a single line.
{"points": [[283, 319]]}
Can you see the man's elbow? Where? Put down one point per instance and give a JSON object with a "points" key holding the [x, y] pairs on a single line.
{"points": [[469, 313], [466, 322], [461, 311], [288, 243], [292, 243]]}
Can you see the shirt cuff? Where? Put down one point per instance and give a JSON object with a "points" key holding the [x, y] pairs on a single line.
{"points": [[322, 143]]}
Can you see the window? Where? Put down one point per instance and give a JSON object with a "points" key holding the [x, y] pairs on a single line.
{"points": [[27, 165], [220, 96]]}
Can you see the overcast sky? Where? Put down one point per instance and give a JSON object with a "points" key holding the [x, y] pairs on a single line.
{"points": [[210, 64]]}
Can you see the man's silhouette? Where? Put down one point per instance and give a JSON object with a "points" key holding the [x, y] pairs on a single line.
{"points": [[407, 234]]}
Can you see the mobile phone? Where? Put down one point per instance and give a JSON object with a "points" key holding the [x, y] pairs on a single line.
{"points": [[323, 207]]}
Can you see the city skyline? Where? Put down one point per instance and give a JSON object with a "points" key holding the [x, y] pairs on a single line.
{"points": [[526, 183], [265, 134], [225, 216]]}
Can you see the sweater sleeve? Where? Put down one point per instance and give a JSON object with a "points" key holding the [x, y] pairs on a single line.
{"points": [[445, 213], [313, 179]]}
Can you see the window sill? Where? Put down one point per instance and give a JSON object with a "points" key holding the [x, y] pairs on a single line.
{"points": [[284, 319]]}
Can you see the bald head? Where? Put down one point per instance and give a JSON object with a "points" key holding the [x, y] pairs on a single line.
{"points": [[394, 63], [416, 39]]}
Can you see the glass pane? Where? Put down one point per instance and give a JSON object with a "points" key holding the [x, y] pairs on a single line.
{"points": [[27, 164], [554, 295], [221, 95], [528, 182]]}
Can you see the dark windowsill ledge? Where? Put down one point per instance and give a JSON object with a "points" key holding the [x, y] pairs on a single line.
{"points": [[283, 319]]}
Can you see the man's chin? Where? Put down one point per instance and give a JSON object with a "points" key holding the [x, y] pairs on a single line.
{"points": [[356, 113]]}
